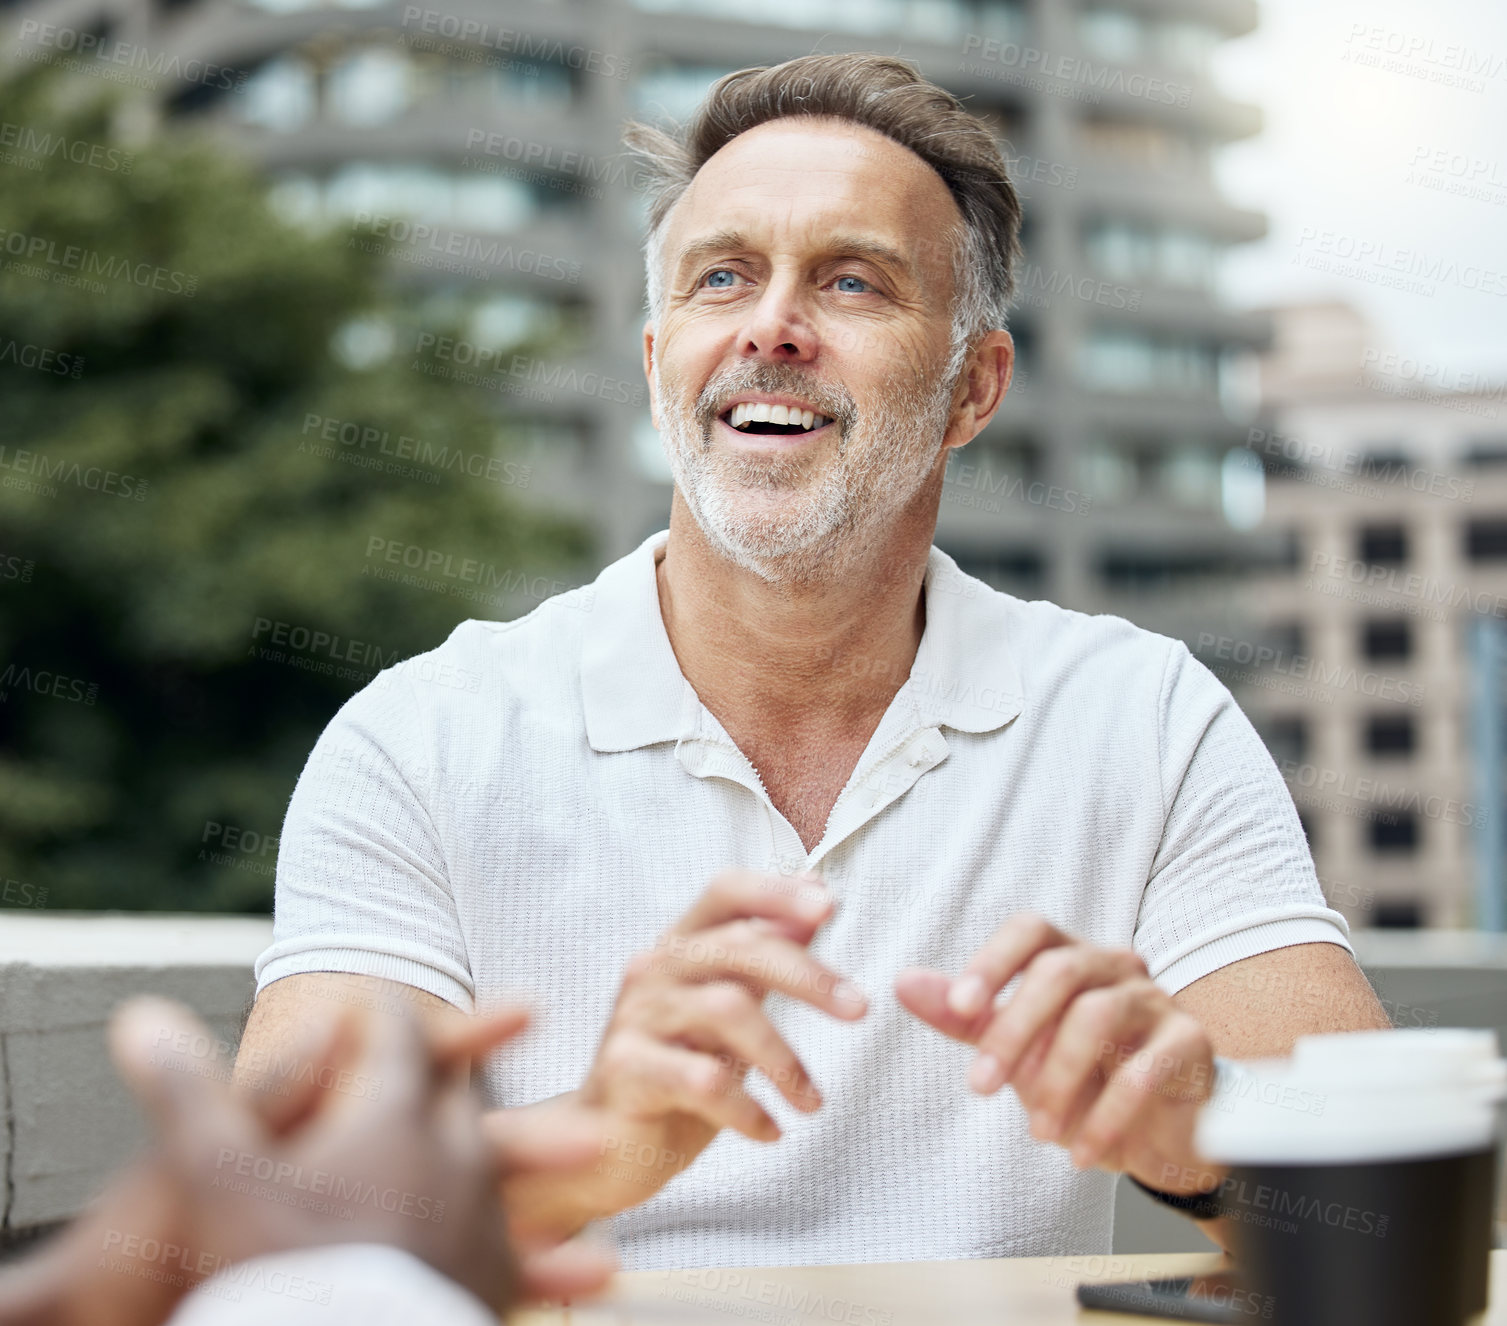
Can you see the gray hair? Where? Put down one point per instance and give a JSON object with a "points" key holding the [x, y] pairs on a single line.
{"points": [[889, 96]]}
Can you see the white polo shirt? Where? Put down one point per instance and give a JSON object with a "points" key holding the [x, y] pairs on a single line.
{"points": [[524, 808]]}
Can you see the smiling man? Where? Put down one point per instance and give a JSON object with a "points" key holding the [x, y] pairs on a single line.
{"points": [[628, 815]]}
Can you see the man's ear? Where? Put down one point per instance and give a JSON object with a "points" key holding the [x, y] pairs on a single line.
{"points": [[982, 386], [649, 372]]}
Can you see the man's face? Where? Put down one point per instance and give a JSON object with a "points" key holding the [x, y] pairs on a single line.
{"points": [[807, 267]]}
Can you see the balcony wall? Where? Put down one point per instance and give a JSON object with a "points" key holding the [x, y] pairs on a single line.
{"points": [[66, 1123]]}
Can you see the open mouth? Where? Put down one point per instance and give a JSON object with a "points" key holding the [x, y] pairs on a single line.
{"points": [[763, 419]]}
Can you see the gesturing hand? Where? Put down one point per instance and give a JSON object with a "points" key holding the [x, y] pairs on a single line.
{"points": [[1099, 1055], [688, 1025]]}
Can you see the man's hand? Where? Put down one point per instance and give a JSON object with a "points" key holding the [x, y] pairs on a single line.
{"points": [[688, 1025], [1102, 1059]]}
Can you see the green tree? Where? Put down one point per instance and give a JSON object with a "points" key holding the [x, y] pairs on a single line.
{"points": [[165, 339]]}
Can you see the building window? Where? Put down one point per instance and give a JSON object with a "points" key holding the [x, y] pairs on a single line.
{"points": [[280, 95], [935, 20], [1131, 146], [1393, 832], [1188, 45], [674, 90], [1288, 639], [1486, 539], [1021, 572], [368, 87], [1391, 734], [1112, 34], [1122, 251], [1387, 639], [1398, 914], [1107, 472], [1383, 545], [1486, 452], [1132, 253], [1153, 571], [427, 193], [1384, 460], [1189, 477], [1123, 361], [1287, 739]]}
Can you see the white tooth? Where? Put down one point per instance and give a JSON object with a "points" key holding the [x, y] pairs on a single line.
{"points": [[822, 421], [779, 414], [737, 416], [807, 418], [759, 412]]}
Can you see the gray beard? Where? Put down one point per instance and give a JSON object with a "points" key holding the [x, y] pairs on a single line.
{"points": [[801, 519]]}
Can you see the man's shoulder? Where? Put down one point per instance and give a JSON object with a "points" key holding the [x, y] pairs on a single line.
{"points": [[491, 660], [1050, 639]]}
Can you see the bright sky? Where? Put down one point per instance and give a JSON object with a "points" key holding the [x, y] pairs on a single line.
{"points": [[1350, 148]]}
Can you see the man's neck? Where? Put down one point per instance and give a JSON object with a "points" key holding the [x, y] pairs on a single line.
{"points": [[820, 659]]}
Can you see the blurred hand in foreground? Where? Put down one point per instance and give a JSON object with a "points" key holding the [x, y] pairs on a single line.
{"points": [[365, 1132]]}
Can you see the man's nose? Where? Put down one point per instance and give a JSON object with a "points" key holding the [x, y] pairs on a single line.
{"points": [[780, 325]]}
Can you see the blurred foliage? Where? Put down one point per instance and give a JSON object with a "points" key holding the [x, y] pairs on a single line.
{"points": [[135, 709]]}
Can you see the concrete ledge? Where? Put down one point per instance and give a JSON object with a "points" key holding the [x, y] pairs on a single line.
{"points": [[66, 1123], [1430, 948]]}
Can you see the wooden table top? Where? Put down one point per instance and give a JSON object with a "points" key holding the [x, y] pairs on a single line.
{"points": [[1026, 1291]]}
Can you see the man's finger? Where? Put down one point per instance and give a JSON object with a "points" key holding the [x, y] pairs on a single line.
{"points": [[725, 1020], [652, 1078], [923, 992], [1013, 945], [1053, 980], [1093, 1028], [800, 900], [770, 963], [1168, 1070]]}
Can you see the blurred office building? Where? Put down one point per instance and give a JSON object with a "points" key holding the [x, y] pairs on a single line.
{"points": [[480, 142], [1376, 674]]}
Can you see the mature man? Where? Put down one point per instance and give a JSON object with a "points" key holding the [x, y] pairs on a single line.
{"points": [[625, 817]]}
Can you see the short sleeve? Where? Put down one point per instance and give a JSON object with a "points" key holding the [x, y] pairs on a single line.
{"points": [[362, 882], [1232, 875]]}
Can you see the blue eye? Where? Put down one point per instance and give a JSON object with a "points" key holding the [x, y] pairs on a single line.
{"points": [[848, 289], [721, 271]]}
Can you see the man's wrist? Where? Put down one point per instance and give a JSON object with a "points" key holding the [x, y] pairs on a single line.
{"points": [[1195, 1205], [1194, 1191]]}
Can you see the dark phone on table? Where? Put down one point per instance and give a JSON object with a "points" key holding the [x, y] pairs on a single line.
{"points": [[1217, 1297]]}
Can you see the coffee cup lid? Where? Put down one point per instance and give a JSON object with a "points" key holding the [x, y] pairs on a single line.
{"points": [[1357, 1097], [1461, 1056]]}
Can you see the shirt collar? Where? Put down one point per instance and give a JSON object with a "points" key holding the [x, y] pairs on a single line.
{"points": [[634, 693]]}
